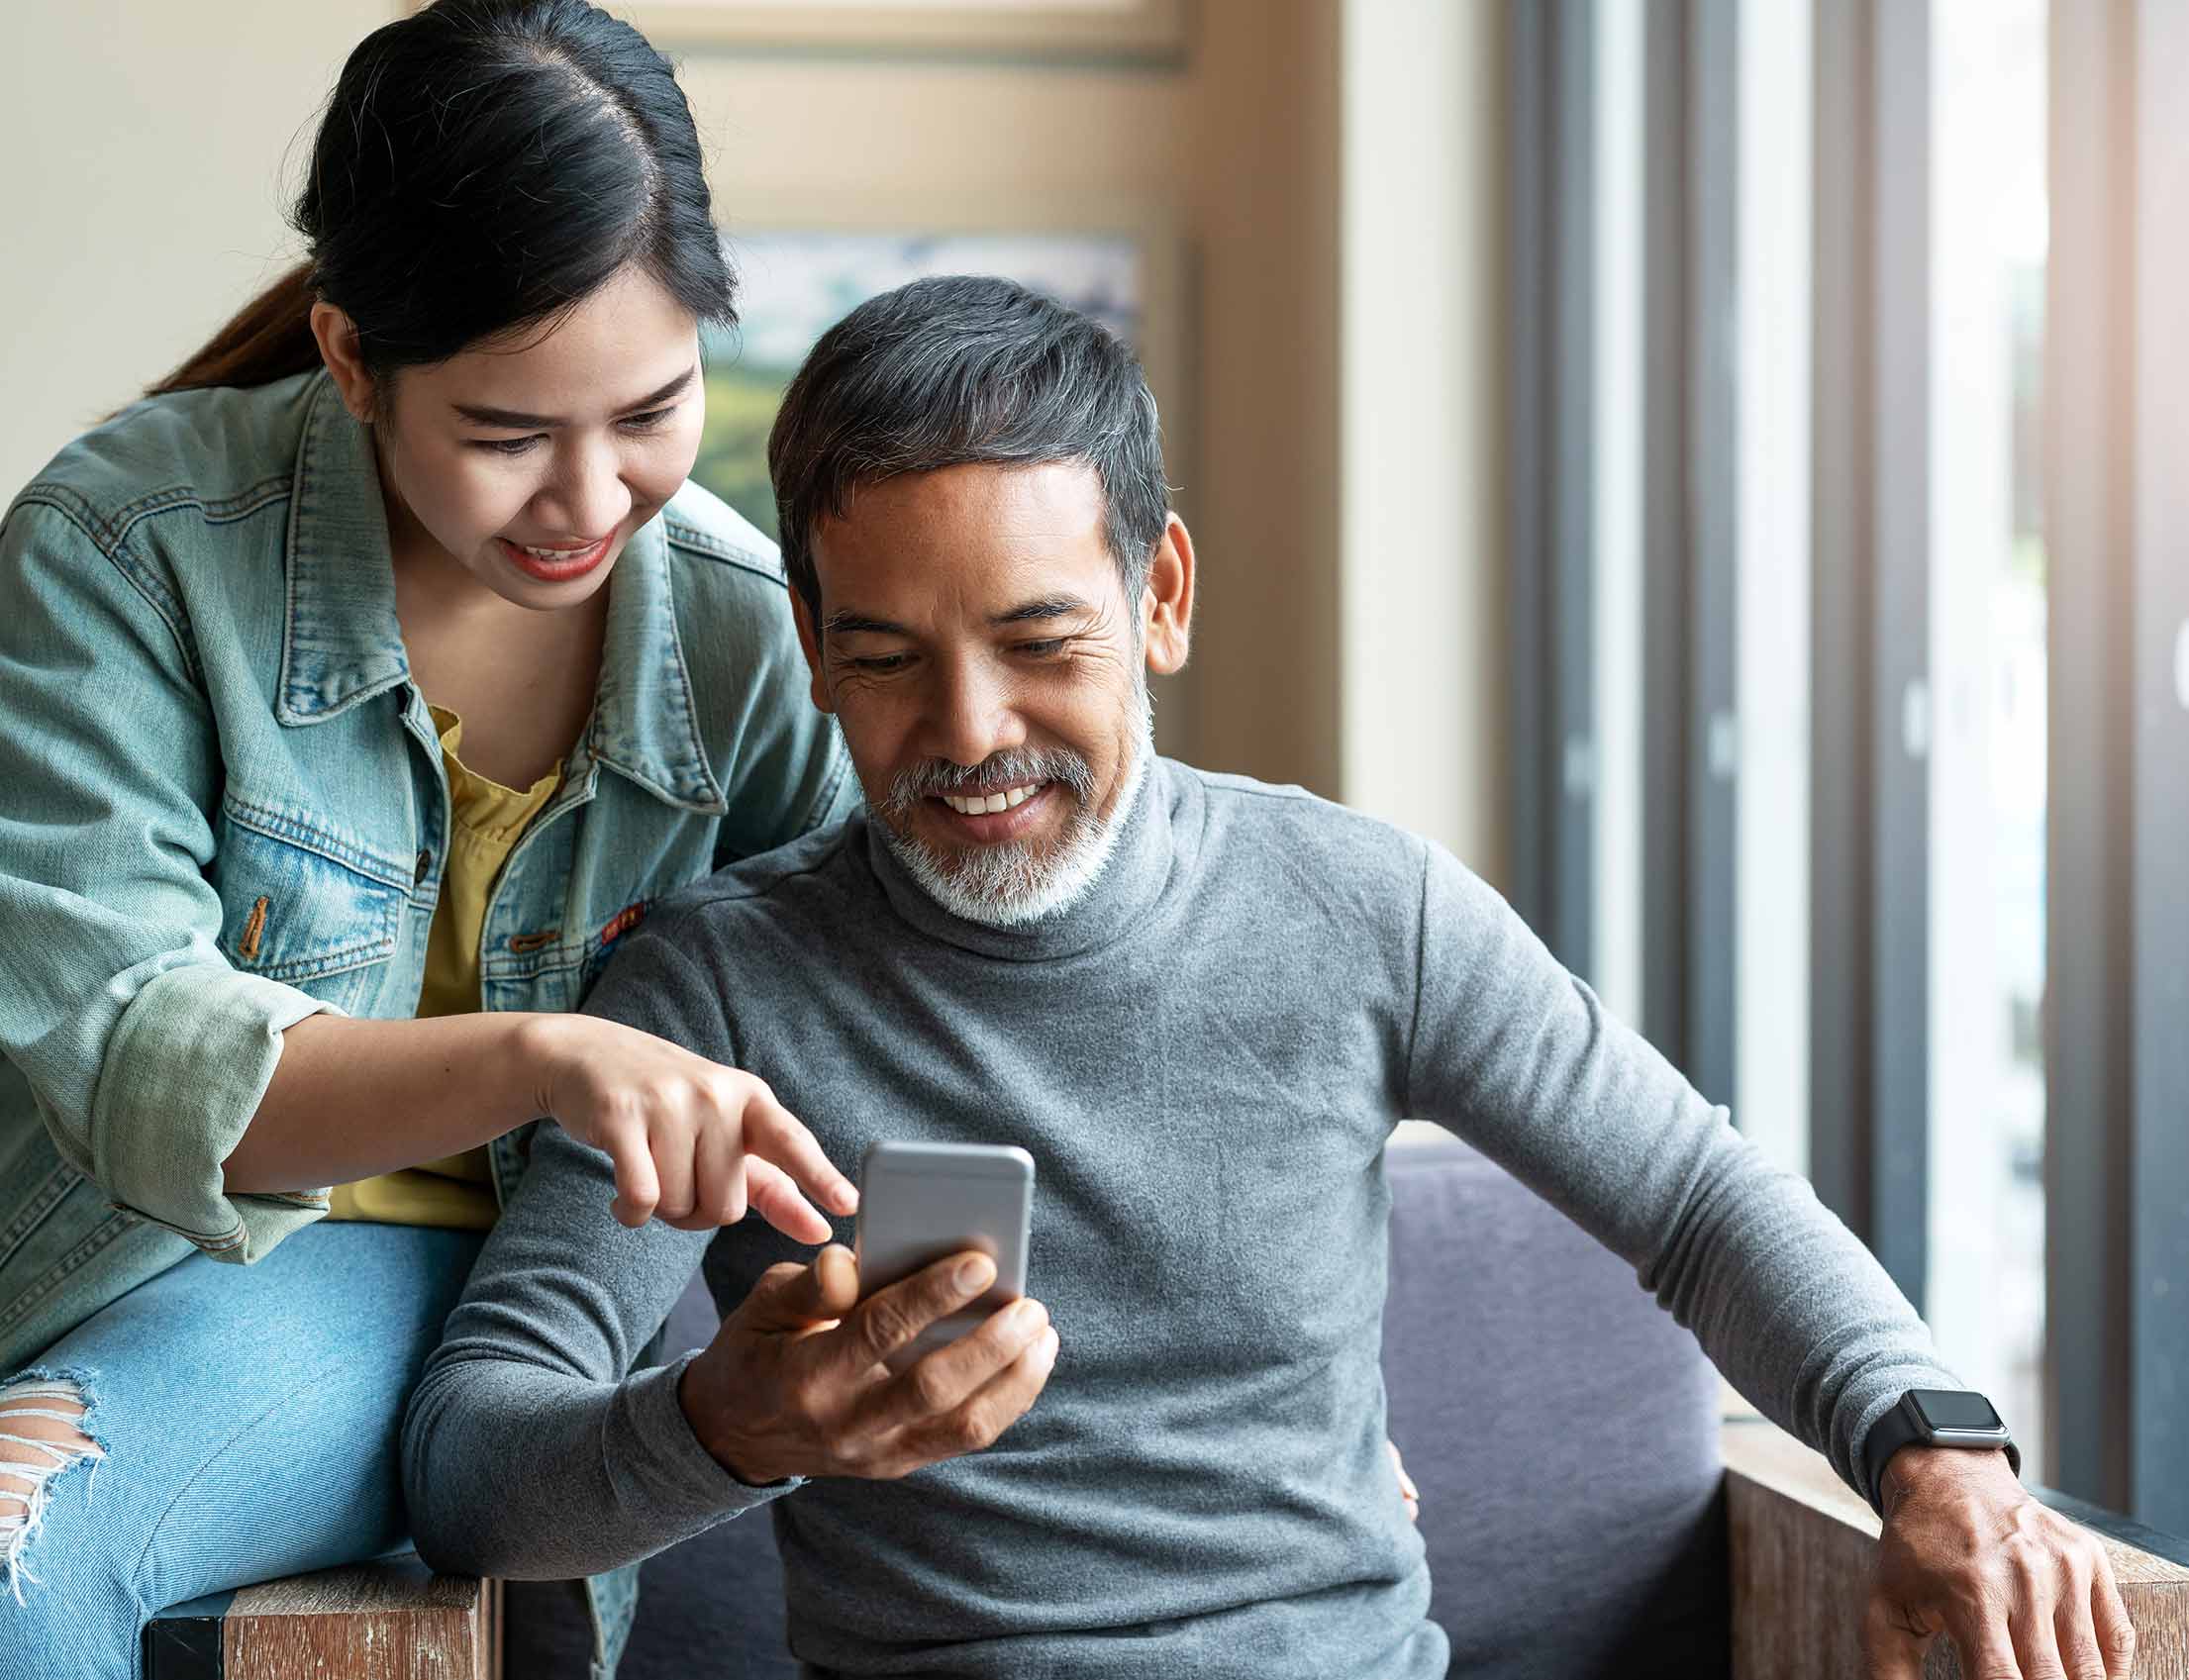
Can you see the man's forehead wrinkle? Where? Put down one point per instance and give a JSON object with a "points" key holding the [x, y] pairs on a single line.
{"points": [[940, 567], [1051, 515], [1045, 500]]}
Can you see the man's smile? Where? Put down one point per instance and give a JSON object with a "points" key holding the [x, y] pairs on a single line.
{"points": [[972, 805], [989, 818]]}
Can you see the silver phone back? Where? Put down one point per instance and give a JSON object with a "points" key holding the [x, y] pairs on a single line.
{"points": [[919, 1203]]}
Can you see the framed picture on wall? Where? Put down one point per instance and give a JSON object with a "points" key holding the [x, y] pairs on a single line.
{"points": [[794, 282], [1141, 30]]}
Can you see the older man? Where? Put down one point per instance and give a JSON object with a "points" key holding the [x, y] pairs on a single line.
{"points": [[1202, 1004]]}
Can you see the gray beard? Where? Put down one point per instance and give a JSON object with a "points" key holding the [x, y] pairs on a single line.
{"points": [[1008, 884]]}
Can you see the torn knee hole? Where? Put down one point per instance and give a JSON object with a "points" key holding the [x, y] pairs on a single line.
{"points": [[31, 1423], [41, 1434]]}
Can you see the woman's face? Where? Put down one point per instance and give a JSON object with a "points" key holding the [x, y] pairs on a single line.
{"points": [[529, 463]]}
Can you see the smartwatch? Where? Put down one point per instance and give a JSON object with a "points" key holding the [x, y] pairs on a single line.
{"points": [[1933, 1416]]}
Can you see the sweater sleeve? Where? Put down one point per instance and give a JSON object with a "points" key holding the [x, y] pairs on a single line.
{"points": [[1517, 1057], [531, 1450]]}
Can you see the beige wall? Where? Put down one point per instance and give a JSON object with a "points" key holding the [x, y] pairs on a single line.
{"points": [[146, 143], [1421, 654], [142, 147]]}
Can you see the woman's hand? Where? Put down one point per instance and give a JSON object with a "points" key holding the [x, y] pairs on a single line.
{"points": [[694, 1143]]}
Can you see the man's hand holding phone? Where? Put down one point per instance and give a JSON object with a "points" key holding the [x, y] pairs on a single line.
{"points": [[797, 1380]]}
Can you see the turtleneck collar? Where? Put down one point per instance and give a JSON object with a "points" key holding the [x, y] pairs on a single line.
{"points": [[1126, 888]]}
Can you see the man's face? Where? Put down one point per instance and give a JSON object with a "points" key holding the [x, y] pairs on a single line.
{"points": [[976, 646]]}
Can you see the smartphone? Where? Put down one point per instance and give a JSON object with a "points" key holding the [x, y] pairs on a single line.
{"points": [[919, 1203]]}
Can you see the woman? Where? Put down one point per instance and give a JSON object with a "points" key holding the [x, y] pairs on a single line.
{"points": [[363, 684]]}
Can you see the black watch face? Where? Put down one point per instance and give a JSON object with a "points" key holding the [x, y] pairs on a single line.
{"points": [[1954, 1408]]}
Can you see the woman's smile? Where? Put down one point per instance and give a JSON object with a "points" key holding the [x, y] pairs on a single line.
{"points": [[558, 564]]}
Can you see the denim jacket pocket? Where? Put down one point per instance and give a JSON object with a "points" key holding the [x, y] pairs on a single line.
{"points": [[301, 902], [601, 943]]}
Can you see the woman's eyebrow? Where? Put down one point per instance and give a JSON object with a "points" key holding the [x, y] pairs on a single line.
{"points": [[516, 421]]}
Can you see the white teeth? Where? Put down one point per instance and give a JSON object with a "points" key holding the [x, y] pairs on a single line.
{"points": [[558, 553], [977, 805]]}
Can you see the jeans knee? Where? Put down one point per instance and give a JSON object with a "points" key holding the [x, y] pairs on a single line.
{"points": [[44, 1430]]}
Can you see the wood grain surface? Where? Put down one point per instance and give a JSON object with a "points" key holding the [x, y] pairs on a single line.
{"points": [[388, 1621], [1801, 1545]]}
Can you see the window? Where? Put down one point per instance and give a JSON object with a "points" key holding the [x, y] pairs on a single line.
{"points": [[1851, 643], [1987, 702]]}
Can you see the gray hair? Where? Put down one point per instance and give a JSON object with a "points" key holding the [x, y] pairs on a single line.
{"points": [[960, 369]]}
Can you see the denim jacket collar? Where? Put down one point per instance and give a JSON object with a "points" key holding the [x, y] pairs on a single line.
{"points": [[341, 643], [344, 644]]}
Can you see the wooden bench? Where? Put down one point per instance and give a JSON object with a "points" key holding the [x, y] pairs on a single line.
{"points": [[388, 1621]]}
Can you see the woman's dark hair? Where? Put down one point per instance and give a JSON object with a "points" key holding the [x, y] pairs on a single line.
{"points": [[482, 167], [966, 368]]}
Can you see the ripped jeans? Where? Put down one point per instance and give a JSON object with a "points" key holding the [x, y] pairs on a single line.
{"points": [[248, 1420]]}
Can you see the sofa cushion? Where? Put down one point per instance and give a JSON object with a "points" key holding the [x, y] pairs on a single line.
{"points": [[1562, 1431]]}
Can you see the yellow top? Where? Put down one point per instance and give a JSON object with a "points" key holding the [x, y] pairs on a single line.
{"points": [[486, 820]]}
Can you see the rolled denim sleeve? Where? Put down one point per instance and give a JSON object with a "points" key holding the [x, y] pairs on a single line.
{"points": [[147, 1054]]}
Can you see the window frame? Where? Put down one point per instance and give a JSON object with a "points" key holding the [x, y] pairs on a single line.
{"points": [[1550, 528], [2117, 518], [1869, 793]]}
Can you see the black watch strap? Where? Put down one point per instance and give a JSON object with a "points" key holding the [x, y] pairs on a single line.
{"points": [[1934, 1417]]}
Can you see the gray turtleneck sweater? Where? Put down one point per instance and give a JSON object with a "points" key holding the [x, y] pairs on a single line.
{"points": [[1206, 1055]]}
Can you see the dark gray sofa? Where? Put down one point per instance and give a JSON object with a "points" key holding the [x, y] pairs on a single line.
{"points": [[1564, 1430]]}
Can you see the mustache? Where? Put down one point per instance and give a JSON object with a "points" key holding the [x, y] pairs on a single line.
{"points": [[999, 770]]}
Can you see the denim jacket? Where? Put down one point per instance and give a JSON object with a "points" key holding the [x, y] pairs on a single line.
{"points": [[223, 809]]}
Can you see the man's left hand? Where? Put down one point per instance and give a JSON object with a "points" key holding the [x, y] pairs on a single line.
{"points": [[1967, 1551]]}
